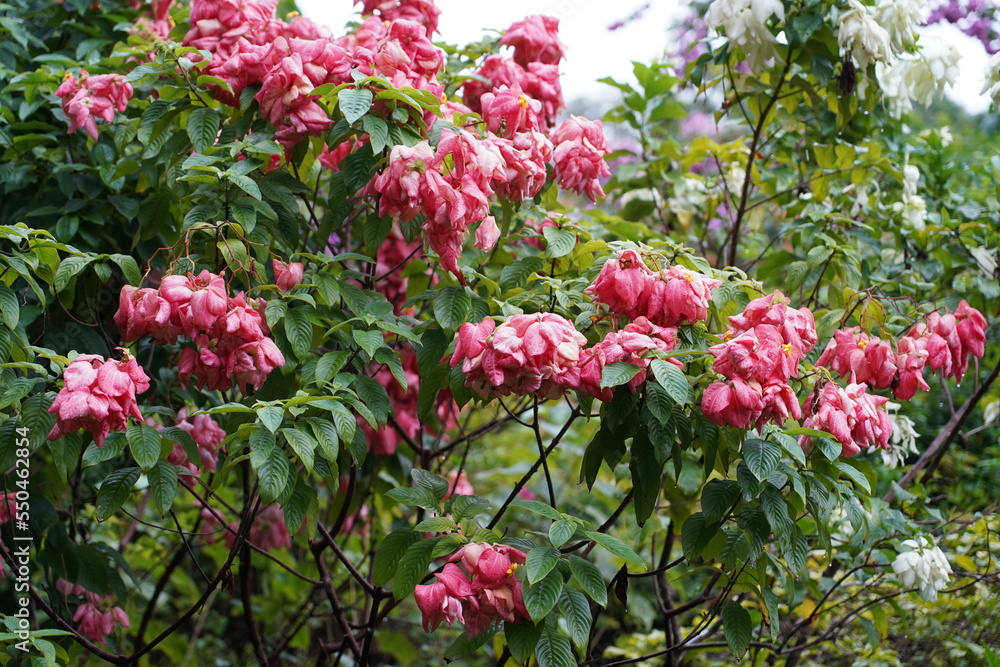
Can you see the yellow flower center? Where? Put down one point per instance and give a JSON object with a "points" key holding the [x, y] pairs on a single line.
{"points": [[863, 343], [512, 569], [787, 349], [523, 101]]}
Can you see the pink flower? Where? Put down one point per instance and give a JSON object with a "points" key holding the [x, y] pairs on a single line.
{"points": [[524, 158], [669, 298], [144, 311], [8, 507], [98, 396], [95, 624], [797, 326], [870, 360], [268, 531], [196, 302], [851, 415], [535, 39], [287, 276], [93, 97], [580, 147], [627, 346], [487, 234], [263, 356], [949, 339], [458, 484], [538, 81], [207, 435], [441, 601], [910, 362], [737, 403], [421, 11], [526, 354], [507, 111]]}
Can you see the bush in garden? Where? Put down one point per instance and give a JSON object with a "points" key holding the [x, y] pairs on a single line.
{"points": [[357, 305]]}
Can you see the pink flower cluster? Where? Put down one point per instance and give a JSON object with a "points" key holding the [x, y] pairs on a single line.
{"points": [[230, 335], [207, 435], [96, 616], [88, 98], [761, 353], [288, 61], [268, 531], [851, 415], [98, 396], [482, 591], [872, 361], [526, 354], [451, 186], [666, 298], [949, 339], [630, 345], [287, 275], [404, 409], [534, 67], [579, 156]]}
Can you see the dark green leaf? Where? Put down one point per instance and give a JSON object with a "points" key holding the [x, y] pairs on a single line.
{"points": [[553, 649], [541, 597], [203, 128], [576, 610], [738, 627], [162, 485], [590, 579], [672, 379], [540, 562], [618, 373], [144, 443], [390, 551], [761, 456], [115, 490], [452, 306], [412, 567], [354, 103]]}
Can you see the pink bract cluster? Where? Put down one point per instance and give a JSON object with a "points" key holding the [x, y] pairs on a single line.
{"points": [[630, 345], [208, 437], [525, 354], [88, 98], [98, 396], [287, 274], [480, 592], [579, 156], [268, 531], [942, 343], [230, 335], [97, 617], [761, 353], [407, 425], [666, 298]]}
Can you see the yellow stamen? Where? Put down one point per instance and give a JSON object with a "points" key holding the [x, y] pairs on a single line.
{"points": [[787, 349], [523, 101], [291, 15], [513, 568], [728, 336], [863, 343]]}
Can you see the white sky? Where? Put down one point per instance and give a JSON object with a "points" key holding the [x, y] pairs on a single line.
{"points": [[592, 52]]}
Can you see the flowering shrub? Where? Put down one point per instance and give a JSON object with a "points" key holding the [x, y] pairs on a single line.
{"points": [[264, 325]]}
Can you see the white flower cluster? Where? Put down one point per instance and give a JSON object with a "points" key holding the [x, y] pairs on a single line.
{"points": [[913, 208], [923, 566], [921, 78], [859, 35], [900, 19], [993, 79], [904, 438], [745, 23], [689, 199]]}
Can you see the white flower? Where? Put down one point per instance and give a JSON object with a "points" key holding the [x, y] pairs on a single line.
{"points": [[921, 78], [923, 566], [734, 176], [992, 74], [904, 438], [745, 23], [991, 412], [859, 35], [689, 199], [913, 208], [900, 18], [986, 259]]}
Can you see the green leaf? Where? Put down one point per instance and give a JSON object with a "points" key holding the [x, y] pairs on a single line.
{"points": [[374, 396], [616, 547], [761, 456], [554, 650], [771, 604], [412, 568], [298, 504], [436, 524], [144, 443], [696, 533], [672, 379], [560, 532], [576, 610], [390, 551], [378, 132], [354, 103], [537, 508], [590, 579], [775, 509], [326, 436], [540, 562], [9, 306], [129, 268], [559, 242], [203, 128], [452, 306], [717, 497], [414, 497], [468, 507], [541, 596], [521, 639], [330, 364], [246, 184], [854, 475], [299, 330], [738, 627], [272, 475], [162, 485], [271, 417], [618, 373], [303, 446], [369, 341], [115, 490], [427, 480]]}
